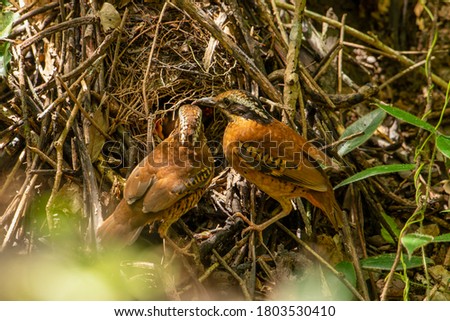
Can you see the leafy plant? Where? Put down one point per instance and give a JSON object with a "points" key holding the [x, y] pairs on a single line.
{"points": [[6, 21], [365, 127]]}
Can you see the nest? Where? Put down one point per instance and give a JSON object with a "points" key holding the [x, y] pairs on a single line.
{"points": [[84, 102]]}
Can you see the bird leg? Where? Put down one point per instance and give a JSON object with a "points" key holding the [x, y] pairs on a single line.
{"points": [[286, 208], [179, 250], [163, 229], [251, 224]]}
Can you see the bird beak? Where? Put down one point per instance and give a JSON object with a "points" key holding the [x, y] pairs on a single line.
{"points": [[205, 102]]}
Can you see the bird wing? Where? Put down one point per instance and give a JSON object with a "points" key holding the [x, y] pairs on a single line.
{"points": [[140, 180], [147, 173], [284, 161], [171, 186], [163, 177]]}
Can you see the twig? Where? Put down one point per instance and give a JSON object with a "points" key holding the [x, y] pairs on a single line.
{"points": [[351, 246], [76, 22], [246, 62], [322, 261], [117, 49], [43, 156], [59, 153], [280, 23], [339, 62], [267, 18], [372, 40], [39, 10], [98, 54], [26, 191], [61, 98], [241, 282], [402, 73], [390, 277], [291, 81], [94, 123], [246, 33], [226, 257], [306, 77], [327, 60], [150, 122], [12, 175], [93, 208]]}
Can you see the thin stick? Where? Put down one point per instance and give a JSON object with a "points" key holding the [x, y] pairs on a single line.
{"points": [[150, 142], [322, 261], [43, 156], [402, 73], [339, 62], [245, 61], [351, 246], [367, 39], [116, 50], [28, 188], [280, 23], [12, 175], [76, 22], [241, 282], [40, 9], [291, 81], [59, 152]]}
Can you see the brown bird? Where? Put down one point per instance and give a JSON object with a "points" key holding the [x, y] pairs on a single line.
{"points": [[273, 156], [165, 185]]}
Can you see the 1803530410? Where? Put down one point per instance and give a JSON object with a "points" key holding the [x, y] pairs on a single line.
{"points": [[296, 310]]}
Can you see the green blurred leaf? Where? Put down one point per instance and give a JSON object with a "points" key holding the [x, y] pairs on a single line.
{"points": [[385, 262], [339, 290], [415, 241], [443, 144], [366, 125], [6, 22], [407, 117], [377, 170], [384, 233], [442, 238]]}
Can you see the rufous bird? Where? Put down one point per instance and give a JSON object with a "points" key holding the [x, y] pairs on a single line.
{"points": [[165, 185], [273, 156]]}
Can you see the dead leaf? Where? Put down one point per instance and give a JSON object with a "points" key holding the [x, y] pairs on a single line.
{"points": [[97, 140], [109, 17]]}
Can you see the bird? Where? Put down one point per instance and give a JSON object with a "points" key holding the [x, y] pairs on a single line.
{"points": [[164, 185], [273, 156]]}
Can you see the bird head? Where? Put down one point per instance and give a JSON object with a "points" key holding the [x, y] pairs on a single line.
{"points": [[189, 123], [237, 104]]}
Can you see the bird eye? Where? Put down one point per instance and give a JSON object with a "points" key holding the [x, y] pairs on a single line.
{"points": [[226, 101]]}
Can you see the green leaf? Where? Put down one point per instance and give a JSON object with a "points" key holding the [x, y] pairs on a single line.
{"points": [[338, 289], [5, 58], [407, 117], [6, 22], [384, 233], [385, 262], [443, 144], [442, 238], [366, 125], [377, 170], [415, 241]]}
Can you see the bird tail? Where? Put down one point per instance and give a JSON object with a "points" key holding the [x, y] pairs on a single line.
{"points": [[337, 215], [119, 230], [328, 204]]}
